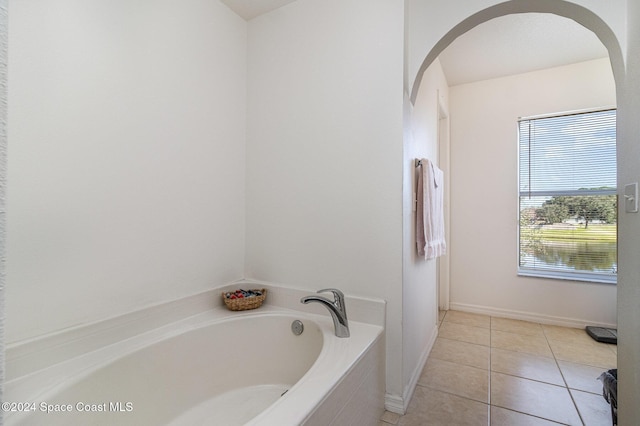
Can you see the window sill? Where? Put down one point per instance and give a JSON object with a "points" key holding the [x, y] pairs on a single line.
{"points": [[570, 276]]}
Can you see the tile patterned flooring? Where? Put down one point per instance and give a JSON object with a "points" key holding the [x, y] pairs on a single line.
{"points": [[485, 370]]}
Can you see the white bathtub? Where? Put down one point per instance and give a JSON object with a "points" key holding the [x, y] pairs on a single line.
{"points": [[214, 368]]}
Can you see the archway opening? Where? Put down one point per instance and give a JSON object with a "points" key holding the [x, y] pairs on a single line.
{"points": [[613, 62], [490, 87]]}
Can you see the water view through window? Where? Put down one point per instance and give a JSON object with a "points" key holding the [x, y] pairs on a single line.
{"points": [[565, 242]]}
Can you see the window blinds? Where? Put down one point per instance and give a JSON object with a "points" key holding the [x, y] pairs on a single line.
{"points": [[567, 192]]}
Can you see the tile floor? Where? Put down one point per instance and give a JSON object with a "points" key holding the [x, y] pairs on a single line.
{"points": [[485, 370]]}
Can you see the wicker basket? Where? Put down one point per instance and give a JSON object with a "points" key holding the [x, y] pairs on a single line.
{"points": [[245, 303]]}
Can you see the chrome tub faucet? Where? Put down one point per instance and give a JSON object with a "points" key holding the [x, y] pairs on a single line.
{"points": [[337, 309]]}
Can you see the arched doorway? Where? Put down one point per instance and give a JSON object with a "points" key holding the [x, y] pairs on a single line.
{"points": [[577, 13], [514, 66]]}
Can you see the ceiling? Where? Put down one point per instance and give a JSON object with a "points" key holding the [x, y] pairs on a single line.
{"points": [[503, 46], [518, 43], [249, 9]]}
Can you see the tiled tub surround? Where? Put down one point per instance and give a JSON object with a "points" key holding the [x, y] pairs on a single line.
{"points": [[169, 362], [493, 371]]}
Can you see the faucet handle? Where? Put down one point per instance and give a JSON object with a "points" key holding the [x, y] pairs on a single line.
{"points": [[338, 297], [336, 293]]}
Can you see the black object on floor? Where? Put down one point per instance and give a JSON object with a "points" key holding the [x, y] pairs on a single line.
{"points": [[601, 334], [609, 381]]}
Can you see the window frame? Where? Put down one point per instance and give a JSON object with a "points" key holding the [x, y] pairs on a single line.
{"points": [[592, 277]]}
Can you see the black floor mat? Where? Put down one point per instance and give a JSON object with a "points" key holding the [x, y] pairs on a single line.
{"points": [[601, 334]]}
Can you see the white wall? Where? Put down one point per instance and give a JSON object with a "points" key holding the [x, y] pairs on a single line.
{"points": [[629, 231], [484, 174], [126, 168], [324, 153], [4, 19], [420, 304]]}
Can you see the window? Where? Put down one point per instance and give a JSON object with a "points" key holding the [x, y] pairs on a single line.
{"points": [[567, 193]]}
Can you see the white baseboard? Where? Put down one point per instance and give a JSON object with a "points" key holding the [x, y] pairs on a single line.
{"points": [[527, 316], [394, 403], [399, 404]]}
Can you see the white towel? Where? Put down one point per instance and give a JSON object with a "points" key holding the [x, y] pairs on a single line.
{"points": [[430, 211]]}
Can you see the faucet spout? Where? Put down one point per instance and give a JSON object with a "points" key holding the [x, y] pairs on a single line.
{"points": [[336, 308]]}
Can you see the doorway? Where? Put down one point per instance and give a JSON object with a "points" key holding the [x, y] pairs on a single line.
{"points": [[443, 266], [572, 11]]}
